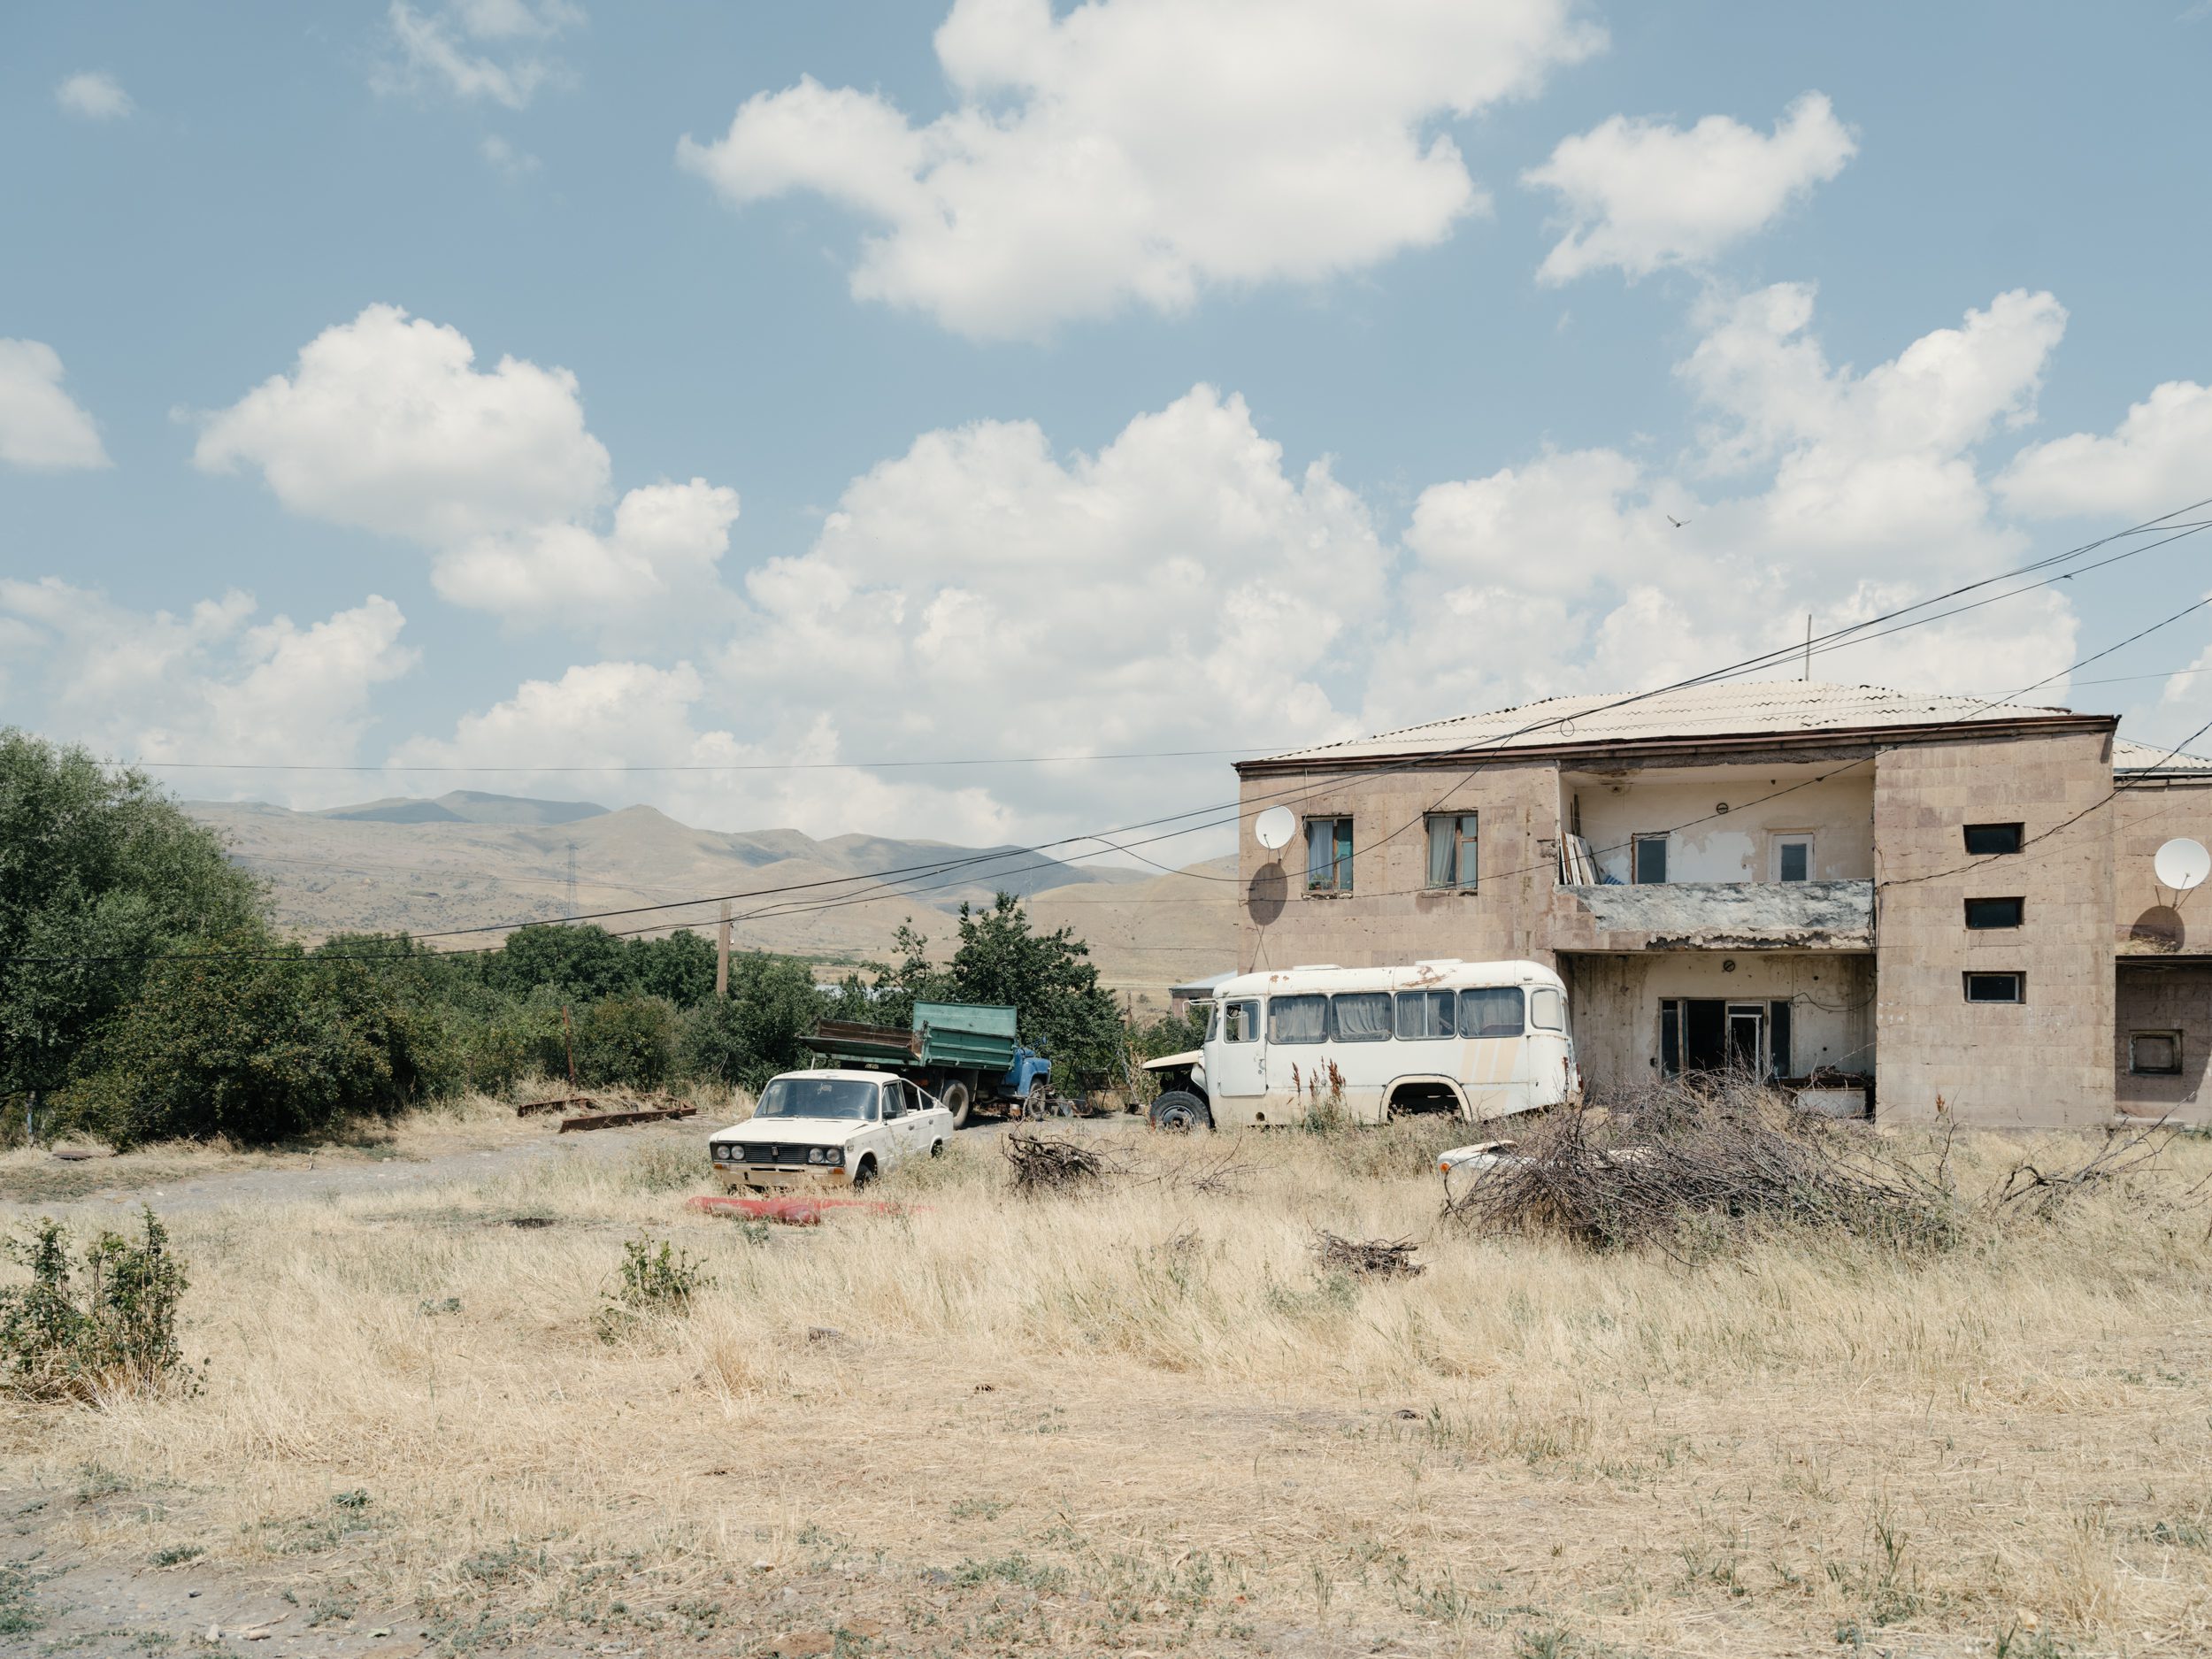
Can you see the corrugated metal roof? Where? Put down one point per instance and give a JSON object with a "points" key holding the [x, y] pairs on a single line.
{"points": [[1736, 706], [2127, 756]]}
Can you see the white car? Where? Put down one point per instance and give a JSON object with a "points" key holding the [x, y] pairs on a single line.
{"points": [[830, 1129]]}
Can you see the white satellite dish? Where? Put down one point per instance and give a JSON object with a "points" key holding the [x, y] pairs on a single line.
{"points": [[1277, 824], [2182, 864]]}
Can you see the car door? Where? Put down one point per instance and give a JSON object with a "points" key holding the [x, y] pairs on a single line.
{"points": [[903, 1125]]}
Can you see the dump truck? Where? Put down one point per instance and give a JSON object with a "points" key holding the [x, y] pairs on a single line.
{"points": [[964, 1053]]}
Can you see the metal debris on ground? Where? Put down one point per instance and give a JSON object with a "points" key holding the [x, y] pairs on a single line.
{"points": [[616, 1120], [1376, 1258], [1040, 1163], [558, 1103]]}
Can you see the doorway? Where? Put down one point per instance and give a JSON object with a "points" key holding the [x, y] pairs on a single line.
{"points": [[1712, 1034]]}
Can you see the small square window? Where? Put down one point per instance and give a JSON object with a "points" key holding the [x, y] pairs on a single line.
{"points": [[1983, 913], [1650, 858], [1985, 840], [1996, 988], [2154, 1053], [1792, 857], [1328, 854]]}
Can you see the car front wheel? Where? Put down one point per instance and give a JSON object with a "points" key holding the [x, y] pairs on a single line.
{"points": [[864, 1173]]}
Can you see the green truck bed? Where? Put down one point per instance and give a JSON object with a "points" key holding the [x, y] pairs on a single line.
{"points": [[957, 1036]]}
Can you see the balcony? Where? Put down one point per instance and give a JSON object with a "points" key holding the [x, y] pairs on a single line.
{"points": [[1714, 916]]}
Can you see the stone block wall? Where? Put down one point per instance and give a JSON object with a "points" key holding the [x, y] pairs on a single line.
{"points": [[2163, 997], [1391, 915], [2044, 1061]]}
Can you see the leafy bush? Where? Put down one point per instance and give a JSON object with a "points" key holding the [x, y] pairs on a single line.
{"points": [[625, 1039], [662, 1281], [106, 1325], [261, 1042], [757, 1032]]}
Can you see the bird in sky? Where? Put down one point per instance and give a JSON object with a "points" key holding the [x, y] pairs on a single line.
{"points": [[1677, 523]]}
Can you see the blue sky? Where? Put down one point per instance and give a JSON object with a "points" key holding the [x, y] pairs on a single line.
{"points": [[1129, 377]]}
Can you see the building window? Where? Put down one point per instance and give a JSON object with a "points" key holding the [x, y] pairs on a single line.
{"points": [[1986, 840], [1794, 858], [1650, 858], [1328, 854], [2154, 1053], [1452, 851], [1982, 913], [1996, 988]]}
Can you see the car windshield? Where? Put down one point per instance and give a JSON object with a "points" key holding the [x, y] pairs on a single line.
{"points": [[843, 1097]]}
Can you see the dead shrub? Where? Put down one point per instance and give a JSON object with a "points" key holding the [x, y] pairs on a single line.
{"points": [[1042, 1165], [1691, 1163], [1370, 1258]]}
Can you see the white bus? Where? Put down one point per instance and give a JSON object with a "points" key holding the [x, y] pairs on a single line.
{"points": [[1477, 1040]]}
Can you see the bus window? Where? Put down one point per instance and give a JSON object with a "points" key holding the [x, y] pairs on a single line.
{"points": [[1363, 1016], [1297, 1018], [1548, 1010], [1495, 1010], [1425, 1014], [1241, 1022]]}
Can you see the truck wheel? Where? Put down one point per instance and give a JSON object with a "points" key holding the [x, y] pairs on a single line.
{"points": [[1180, 1112], [957, 1102], [1038, 1102]]}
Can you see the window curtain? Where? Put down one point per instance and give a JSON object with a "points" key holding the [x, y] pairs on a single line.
{"points": [[1443, 851], [1297, 1018], [1492, 1011], [1425, 1014], [1363, 1016]]}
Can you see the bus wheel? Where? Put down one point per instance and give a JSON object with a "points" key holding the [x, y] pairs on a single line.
{"points": [[1180, 1112], [957, 1102]]}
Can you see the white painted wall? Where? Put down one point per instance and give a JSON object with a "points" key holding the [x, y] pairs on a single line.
{"points": [[1733, 846]]}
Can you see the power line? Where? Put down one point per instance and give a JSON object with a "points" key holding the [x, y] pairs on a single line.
{"points": [[1494, 744]]}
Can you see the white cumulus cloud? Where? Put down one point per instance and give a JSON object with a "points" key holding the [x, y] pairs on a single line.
{"points": [[210, 684], [42, 427], [386, 424], [1840, 493], [1641, 195], [2153, 463], [1135, 152], [476, 49], [94, 95]]}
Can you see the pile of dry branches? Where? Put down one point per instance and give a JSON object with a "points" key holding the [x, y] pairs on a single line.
{"points": [[1042, 1165], [1379, 1258], [1687, 1159]]}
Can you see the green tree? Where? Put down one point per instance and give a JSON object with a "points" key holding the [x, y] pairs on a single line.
{"points": [[679, 967], [98, 871], [1059, 1004], [625, 1039], [258, 1043], [581, 960], [756, 1030]]}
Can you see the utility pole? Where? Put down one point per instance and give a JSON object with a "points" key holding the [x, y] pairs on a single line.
{"points": [[571, 881], [722, 955]]}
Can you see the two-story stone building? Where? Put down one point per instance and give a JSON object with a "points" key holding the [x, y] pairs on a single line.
{"points": [[1950, 904]]}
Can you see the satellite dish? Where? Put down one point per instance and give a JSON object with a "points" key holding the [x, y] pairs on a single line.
{"points": [[2182, 864], [1277, 824]]}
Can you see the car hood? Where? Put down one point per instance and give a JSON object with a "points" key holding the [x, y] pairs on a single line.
{"points": [[805, 1132]]}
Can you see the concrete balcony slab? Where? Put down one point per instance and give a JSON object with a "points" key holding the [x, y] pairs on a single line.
{"points": [[1714, 916]]}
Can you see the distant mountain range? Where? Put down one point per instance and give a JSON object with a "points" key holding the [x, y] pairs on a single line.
{"points": [[469, 860]]}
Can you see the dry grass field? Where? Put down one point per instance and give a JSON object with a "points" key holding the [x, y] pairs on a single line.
{"points": [[1143, 1420]]}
